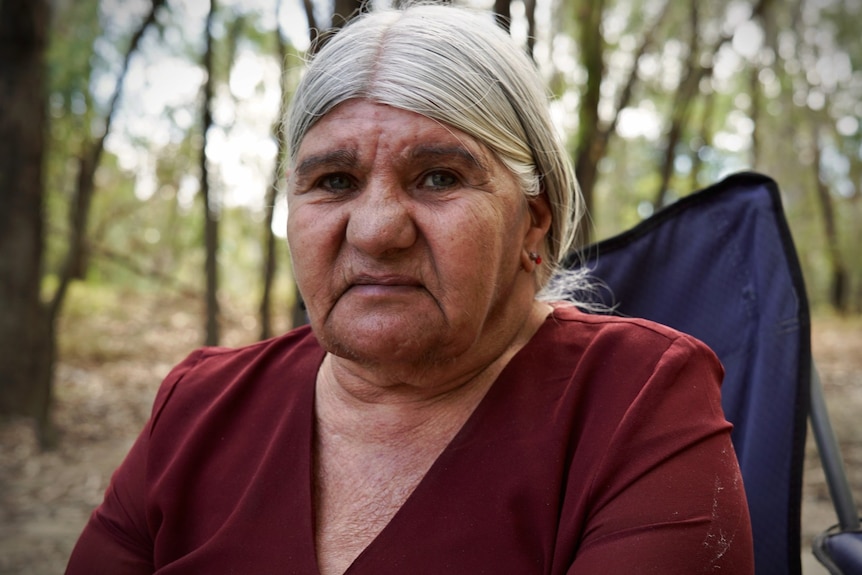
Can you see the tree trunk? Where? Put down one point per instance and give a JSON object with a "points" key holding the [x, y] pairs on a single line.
{"points": [[270, 261], [503, 14], [591, 44], [598, 145], [755, 115], [210, 209], [75, 263], [594, 138], [27, 325], [342, 12], [682, 103], [838, 293], [26, 347], [346, 10], [313, 28], [706, 137], [686, 93], [530, 12]]}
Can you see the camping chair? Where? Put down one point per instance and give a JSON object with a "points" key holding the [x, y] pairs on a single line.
{"points": [[720, 265]]}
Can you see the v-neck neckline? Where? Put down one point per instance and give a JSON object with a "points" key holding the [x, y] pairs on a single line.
{"points": [[437, 468]]}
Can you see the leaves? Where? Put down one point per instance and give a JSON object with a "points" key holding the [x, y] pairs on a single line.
{"points": [[624, 69]]}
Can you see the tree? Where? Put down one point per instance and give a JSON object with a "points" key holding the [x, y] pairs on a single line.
{"points": [[591, 49], [345, 10], [27, 322], [593, 135], [838, 293], [209, 202], [815, 92], [686, 94], [26, 353], [804, 130], [269, 259], [74, 266]]}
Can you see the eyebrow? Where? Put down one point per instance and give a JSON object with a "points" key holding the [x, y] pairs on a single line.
{"points": [[424, 151], [346, 158], [333, 159]]}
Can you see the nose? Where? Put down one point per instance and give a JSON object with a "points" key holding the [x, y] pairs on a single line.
{"points": [[381, 220]]}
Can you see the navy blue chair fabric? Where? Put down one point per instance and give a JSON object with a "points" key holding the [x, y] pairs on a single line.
{"points": [[720, 265]]}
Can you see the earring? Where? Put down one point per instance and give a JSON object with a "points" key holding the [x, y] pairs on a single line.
{"points": [[536, 258]]}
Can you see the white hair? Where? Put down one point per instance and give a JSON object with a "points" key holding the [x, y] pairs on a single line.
{"points": [[456, 66]]}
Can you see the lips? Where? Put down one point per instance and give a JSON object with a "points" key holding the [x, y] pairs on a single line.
{"points": [[391, 280], [384, 285]]}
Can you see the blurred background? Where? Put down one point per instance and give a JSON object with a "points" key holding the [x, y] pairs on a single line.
{"points": [[142, 210]]}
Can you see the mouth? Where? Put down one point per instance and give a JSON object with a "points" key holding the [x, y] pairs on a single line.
{"points": [[380, 285], [385, 280]]}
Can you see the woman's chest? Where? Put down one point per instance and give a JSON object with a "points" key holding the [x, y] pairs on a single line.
{"points": [[358, 490]]}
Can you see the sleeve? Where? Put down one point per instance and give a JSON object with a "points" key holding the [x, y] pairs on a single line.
{"points": [[668, 497], [117, 539]]}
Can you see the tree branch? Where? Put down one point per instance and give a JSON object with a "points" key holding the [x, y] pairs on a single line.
{"points": [[73, 264]]}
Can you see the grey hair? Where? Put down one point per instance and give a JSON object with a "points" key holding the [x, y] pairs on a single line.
{"points": [[456, 66]]}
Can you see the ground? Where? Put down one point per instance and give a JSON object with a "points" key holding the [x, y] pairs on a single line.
{"points": [[115, 351]]}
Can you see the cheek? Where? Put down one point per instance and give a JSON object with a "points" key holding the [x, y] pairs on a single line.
{"points": [[489, 231], [313, 239], [313, 228], [299, 240], [475, 249]]}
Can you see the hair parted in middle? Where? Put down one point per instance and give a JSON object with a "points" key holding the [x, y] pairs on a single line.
{"points": [[456, 66]]}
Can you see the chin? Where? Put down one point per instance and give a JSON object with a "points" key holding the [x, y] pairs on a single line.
{"points": [[394, 344]]}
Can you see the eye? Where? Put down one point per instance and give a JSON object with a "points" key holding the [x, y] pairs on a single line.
{"points": [[338, 182], [439, 179]]}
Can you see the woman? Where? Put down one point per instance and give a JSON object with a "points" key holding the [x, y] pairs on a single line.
{"points": [[437, 416]]}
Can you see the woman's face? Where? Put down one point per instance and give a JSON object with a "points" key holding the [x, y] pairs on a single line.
{"points": [[409, 239]]}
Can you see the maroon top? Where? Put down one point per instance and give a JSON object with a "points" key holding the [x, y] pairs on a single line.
{"points": [[601, 448]]}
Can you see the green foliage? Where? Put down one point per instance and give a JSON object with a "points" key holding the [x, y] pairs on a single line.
{"points": [[146, 227], [70, 56]]}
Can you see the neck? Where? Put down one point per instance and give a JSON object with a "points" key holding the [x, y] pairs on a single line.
{"points": [[393, 400]]}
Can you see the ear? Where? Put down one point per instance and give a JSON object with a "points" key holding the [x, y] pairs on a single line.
{"points": [[540, 223]]}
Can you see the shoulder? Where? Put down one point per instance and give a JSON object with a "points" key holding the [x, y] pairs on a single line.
{"points": [[594, 369], [608, 365], [570, 316], [619, 338], [216, 374], [295, 342]]}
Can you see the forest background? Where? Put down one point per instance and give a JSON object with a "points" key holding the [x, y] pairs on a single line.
{"points": [[139, 155]]}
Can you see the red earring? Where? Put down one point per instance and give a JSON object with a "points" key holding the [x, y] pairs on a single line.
{"points": [[536, 258]]}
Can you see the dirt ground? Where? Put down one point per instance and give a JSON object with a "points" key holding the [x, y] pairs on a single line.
{"points": [[114, 355]]}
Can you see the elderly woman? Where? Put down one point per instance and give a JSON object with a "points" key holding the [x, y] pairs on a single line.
{"points": [[437, 416]]}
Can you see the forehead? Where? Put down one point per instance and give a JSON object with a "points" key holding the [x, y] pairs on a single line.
{"points": [[361, 126]]}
